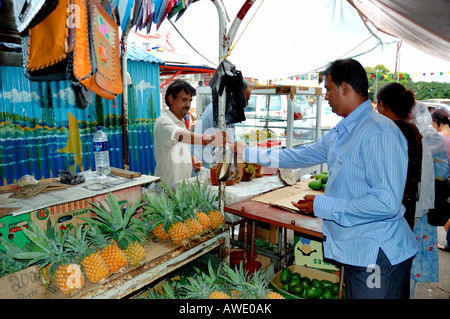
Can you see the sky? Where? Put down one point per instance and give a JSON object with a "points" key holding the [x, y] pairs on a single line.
{"points": [[278, 41]]}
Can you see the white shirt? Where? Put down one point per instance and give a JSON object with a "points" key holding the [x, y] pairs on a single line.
{"points": [[173, 158]]}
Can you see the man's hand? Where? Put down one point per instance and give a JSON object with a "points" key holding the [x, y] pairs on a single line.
{"points": [[219, 138], [196, 163], [305, 205]]}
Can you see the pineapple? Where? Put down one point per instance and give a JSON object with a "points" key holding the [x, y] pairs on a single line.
{"points": [[205, 286], [113, 256], [178, 232], [274, 295], [166, 292], [248, 286], [160, 210], [217, 219], [49, 248], [94, 266], [157, 206], [69, 278], [204, 219], [160, 233], [185, 206], [218, 295], [123, 227], [206, 202]]}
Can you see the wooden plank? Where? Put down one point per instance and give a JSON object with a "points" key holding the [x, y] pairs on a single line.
{"points": [[124, 173]]}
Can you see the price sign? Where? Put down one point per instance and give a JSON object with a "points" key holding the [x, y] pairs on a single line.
{"points": [[24, 284]]}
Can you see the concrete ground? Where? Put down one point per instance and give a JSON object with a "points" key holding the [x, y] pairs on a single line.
{"points": [[441, 289]]}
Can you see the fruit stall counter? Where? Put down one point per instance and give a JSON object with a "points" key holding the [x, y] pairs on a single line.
{"points": [[161, 259], [64, 206]]}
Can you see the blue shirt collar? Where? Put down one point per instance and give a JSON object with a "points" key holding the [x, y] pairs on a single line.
{"points": [[348, 123]]}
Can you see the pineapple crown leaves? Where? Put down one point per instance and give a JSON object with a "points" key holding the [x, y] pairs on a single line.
{"points": [[8, 263], [98, 238], [205, 200], [202, 284], [79, 243], [166, 292], [160, 210], [46, 247], [121, 225]]}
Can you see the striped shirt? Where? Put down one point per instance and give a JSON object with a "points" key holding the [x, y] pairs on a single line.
{"points": [[361, 207]]}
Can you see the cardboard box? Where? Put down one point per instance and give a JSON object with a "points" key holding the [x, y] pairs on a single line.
{"points": [[11, 229], [276, 285], [24, 284], [263, 230], [309, 253], [65, 215]]}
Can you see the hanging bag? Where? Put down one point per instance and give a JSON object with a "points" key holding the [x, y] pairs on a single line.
{"points": [[47, 46], [96, 56]]}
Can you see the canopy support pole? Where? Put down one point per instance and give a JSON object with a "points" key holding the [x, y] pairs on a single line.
{"points": [[224, 49]]}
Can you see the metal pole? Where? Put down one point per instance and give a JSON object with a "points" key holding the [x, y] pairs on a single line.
{"points": [[125, 144], [224, 48], [222, 99]]}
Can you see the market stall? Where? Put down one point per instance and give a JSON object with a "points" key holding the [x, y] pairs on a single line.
{"points": [[66, 207]]}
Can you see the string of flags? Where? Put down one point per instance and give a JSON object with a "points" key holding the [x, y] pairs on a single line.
{"points": [[385, 76]]}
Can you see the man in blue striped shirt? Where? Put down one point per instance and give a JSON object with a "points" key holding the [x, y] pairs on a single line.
{"points": [[362, 212]]}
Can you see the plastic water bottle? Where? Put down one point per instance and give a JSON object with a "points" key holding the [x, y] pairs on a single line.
{"points": [[101, 153]]}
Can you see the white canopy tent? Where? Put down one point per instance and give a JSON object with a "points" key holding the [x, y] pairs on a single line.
{"points": [[279, 39]]}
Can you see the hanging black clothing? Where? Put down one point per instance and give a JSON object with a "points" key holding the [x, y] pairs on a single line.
{"points": [[412, 185]]}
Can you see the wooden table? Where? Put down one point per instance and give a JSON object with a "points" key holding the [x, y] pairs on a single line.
{"points": [[258, 211]]}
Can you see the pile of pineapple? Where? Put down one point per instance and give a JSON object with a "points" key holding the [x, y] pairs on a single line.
{"points": [[182, 214], [222, 282], [114, 238]]}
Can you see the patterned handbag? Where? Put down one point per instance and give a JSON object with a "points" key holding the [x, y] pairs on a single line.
{"points": [[47, 46], [96, 55]]}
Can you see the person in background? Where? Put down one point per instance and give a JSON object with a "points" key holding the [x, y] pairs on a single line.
{"points": [[442, 124], [363, 217], [172, 152], [206, 125], [396, 103], [425, 265]]}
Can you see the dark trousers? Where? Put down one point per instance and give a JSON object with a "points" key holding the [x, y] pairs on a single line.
{"points": [[382, 281]]}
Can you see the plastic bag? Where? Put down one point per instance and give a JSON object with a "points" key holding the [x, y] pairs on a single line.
{"points": [[71, 178], [27, 180], [229, 78]]}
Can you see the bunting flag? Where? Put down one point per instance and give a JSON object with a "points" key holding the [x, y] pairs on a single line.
{"points": [[148, 12]]}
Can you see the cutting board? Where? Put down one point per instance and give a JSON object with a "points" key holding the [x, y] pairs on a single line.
{"points": [[283, 197]]}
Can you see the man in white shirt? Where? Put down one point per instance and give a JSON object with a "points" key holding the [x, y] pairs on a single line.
{"points": [[172, 151]]}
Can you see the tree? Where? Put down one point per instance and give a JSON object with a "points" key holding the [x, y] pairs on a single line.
{"points": [[430, 90], [380, 76]]}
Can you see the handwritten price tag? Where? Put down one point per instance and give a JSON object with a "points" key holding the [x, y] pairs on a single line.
{"points": [[24, 284]]}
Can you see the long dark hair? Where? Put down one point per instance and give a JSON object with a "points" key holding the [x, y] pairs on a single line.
{"points": [[396, 97]]}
